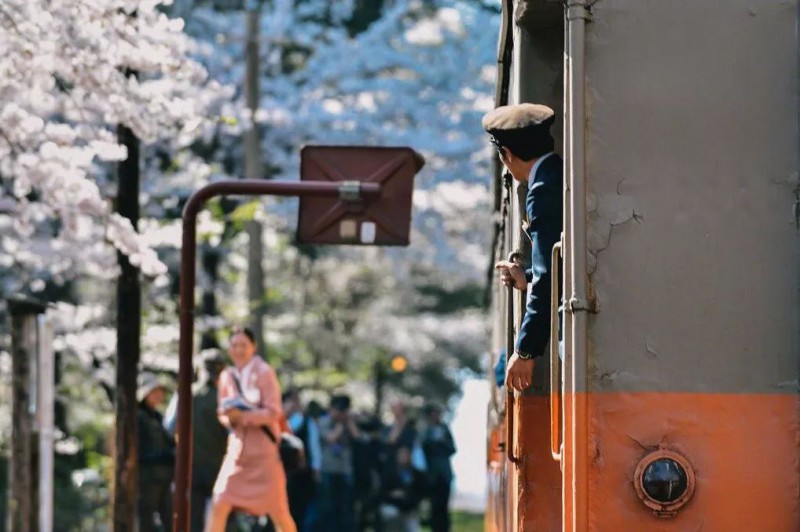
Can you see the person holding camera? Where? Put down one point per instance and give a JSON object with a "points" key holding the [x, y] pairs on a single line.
{"points": [[338, 431], [252, 477]]}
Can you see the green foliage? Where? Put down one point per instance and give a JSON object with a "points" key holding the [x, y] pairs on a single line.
{"points": [[72, 506], [441, 299], [464, 522], [245, 212], [430, 380]]}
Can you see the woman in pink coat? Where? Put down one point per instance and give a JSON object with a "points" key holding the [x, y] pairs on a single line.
{"points": [[251, 478]]}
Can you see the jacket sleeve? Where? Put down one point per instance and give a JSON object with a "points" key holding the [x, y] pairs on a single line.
{"points": [[544, 205]]}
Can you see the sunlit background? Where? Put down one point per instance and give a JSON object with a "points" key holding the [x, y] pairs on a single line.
{"points": [[469, 430]]}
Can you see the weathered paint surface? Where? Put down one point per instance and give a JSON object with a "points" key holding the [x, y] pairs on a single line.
{"points": [[539, 487], [743, 449], [692, 164], [692, 157]]}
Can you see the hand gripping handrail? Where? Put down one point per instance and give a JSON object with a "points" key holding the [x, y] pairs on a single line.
{"points": [[555, 411]]}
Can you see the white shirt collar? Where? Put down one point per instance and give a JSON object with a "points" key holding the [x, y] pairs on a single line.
{"points": [[536, 165]]}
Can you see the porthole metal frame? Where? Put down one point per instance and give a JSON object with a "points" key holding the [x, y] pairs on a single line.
{"points": [[659, 508]]}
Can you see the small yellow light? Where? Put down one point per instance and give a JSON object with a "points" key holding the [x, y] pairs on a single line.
{"points": [[399, 363]]}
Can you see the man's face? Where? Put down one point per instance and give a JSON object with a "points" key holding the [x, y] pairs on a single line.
{"points": [[512, 163]]}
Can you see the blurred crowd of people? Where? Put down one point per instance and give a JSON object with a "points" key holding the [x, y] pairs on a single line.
{"points": [[356, 472]]}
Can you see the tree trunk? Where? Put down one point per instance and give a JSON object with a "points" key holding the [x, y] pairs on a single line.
{"points": [[21, 485], [24, 471], [126, 467], [252, 170]]}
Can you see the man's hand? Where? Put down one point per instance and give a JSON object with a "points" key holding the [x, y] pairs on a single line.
{"points": [[520, 373], [512, 274]]}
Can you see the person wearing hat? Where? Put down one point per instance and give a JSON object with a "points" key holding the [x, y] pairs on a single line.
{"points": [[156, 456], [521, 135]]}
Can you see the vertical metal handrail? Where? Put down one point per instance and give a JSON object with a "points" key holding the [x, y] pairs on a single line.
{"points": [[512, 257], [555, 410]]}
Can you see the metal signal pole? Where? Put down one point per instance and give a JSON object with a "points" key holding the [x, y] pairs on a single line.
{"points": [[247, 187]]}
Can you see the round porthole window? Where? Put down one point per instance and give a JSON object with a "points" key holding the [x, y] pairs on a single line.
{"points": [[664, 481]]}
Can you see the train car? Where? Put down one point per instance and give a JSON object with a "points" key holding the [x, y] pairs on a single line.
{"points": [[676, 405]]}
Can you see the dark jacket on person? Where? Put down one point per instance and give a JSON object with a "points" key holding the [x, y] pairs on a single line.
{"points": [[438, 446], [210, 437], [544, 206], [156, 448], [403, 488]]}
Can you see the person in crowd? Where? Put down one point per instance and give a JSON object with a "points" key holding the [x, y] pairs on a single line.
{"points": [[156, 457], [315, 412], [302, 483], [338, 431], [252, 478], [402, 432], [402, 490], [367, 470], [438, 445], [210, 438]]}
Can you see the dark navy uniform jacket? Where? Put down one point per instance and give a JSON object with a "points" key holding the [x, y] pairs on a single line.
{"points": [[544, 205]]}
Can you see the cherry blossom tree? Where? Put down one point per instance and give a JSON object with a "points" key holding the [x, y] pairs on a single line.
{"points": [[64, 88], [417, 73], [391, 72]]}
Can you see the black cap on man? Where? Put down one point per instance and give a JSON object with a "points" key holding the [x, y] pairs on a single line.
{"points": [[523, 128]]}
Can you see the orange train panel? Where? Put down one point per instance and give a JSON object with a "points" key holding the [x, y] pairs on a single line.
{"points": [[538, 475], [744, 449], [494, 517]]}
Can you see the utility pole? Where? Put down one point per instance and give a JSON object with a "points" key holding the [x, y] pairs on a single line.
{"points": [[129, 326], [252, 170], [45, 414], [23, 478]]}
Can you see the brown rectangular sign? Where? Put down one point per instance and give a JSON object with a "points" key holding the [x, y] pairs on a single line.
{"points": [[352, 218]]}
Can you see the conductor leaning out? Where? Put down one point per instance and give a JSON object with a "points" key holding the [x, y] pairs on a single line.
{"points": [[521, 134]]}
